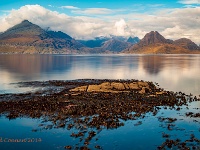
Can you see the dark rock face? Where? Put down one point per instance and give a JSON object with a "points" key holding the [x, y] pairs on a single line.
{"points": [[58, 34], [186, 43]]}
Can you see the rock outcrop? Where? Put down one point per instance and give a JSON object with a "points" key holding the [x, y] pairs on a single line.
{"points": [[114, 87]]}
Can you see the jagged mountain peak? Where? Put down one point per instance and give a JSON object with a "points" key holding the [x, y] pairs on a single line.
{"points": [[153, 37], [23, 29], [26, 21], [30, 37]]}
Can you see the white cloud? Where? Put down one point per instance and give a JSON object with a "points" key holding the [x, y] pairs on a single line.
{"points": [[171, 23], [94, 11], [185, 23], [121, 27], [189, 1], [69, 7], [77, 27]]}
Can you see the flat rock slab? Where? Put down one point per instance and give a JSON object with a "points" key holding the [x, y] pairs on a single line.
{"points": [[75, 87], [115, 87]]}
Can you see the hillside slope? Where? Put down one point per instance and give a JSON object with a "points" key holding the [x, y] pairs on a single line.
{"points": [[155, 43], [30, 38]]}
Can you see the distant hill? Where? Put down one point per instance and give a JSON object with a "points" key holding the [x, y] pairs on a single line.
{"points": [[27, 37], [153, 43], [101, 41], [96, 42], [115, 45], [133, 40], [186, 43]]}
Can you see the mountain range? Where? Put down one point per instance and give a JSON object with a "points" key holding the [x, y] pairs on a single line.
{"points": [[30, 38], [155, 43], [27, 37]]}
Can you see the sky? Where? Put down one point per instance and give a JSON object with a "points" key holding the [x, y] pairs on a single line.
{"points": [[86, 19]]}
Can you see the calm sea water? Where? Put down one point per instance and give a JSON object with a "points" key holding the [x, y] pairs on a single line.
{"points": [[172, 72]]}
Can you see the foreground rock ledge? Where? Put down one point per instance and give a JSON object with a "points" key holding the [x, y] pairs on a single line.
{"points": [[91, 97], [91, 105], [116, 87]]}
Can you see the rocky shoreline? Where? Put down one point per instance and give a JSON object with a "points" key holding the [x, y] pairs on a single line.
{"points": [[94, 105]]}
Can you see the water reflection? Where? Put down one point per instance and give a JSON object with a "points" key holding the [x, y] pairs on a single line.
{"points": [[152, 64], [173, 72], [29, 65]]}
